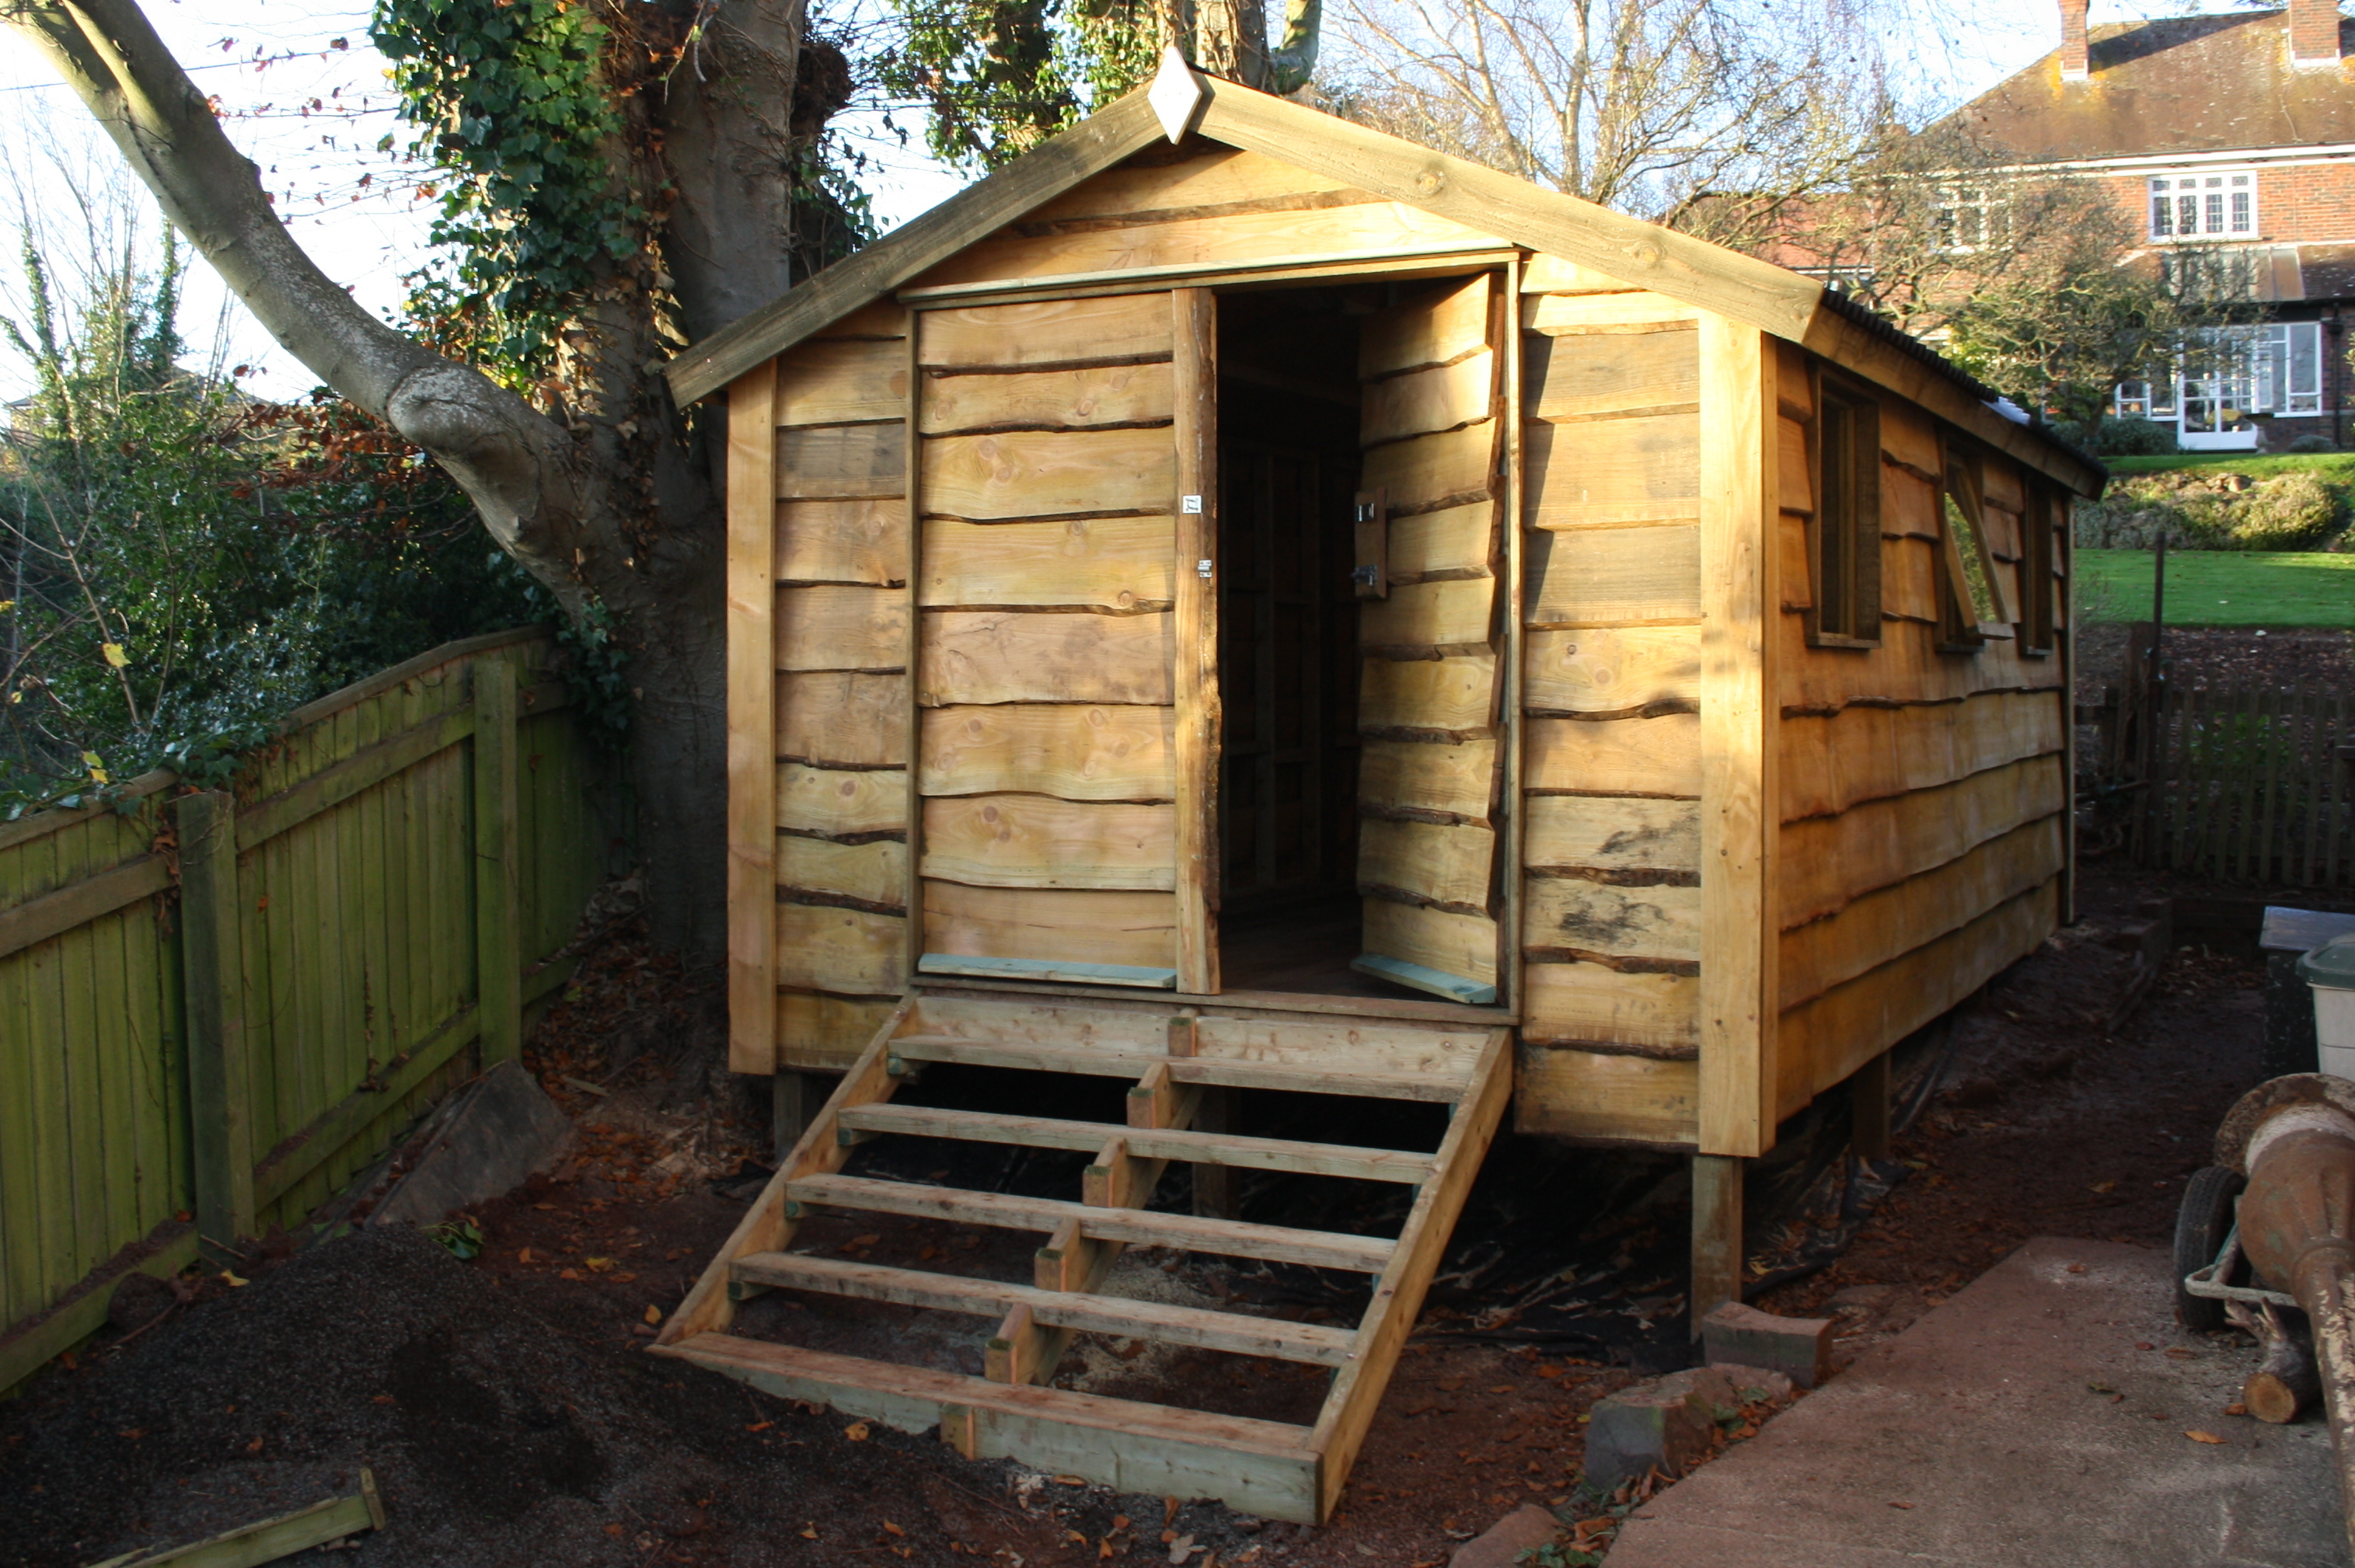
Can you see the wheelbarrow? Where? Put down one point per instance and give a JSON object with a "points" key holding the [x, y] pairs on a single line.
{"points": [[2277, 1209]]}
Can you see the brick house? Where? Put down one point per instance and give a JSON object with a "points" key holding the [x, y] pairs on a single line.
{"points": [[2230, 142]]}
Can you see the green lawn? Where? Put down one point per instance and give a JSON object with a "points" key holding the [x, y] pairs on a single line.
{"points": [[2219, 588], [2337, 467]]}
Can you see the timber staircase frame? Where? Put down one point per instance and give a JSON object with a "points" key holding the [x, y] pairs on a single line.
{"points": [[1179, 1057]]}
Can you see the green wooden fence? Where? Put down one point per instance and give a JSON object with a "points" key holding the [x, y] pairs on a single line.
{"points": [[217, 1008], [2254, 786]]}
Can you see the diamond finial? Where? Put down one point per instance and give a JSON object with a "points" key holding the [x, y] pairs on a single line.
{"points": [[1178, 94]]}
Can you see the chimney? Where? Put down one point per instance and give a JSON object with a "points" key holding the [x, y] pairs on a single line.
{"points": [[2076, 55], [2314, 34]]}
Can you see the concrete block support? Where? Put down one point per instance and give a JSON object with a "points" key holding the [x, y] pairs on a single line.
{"points": [[1799, 1348]]}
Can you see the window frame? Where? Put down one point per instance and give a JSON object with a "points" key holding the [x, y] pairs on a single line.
{"points": [[2165, 194], [1856, 538], [1962, 626], [2040, 619]]}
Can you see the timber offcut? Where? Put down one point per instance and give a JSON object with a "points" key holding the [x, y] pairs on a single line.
{"points": [[1240, 603]]}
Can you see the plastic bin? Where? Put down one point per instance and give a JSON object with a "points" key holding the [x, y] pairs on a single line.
{"points": [[2329, 970]]}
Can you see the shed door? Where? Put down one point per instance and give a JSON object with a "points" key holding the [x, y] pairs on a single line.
{"points": [[1060, 740], [1429, 629]]}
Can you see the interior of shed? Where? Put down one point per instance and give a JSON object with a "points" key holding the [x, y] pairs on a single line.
{"points": [[1288, 462]]}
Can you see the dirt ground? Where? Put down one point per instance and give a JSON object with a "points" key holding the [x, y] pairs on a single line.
{"points": [[2240, 659], [508, 1410]]}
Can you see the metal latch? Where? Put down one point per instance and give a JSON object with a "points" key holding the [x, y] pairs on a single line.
{"points": [[1202, 570]]}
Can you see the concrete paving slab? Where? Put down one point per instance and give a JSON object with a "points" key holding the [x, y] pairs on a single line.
{"points": [[1975, 1438]]}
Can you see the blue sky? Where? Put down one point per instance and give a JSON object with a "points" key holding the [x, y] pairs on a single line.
{"points": [[269, 60]]}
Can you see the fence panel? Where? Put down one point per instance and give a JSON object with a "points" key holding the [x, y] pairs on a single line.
{"points": [[345, 996], [2253, 787]]}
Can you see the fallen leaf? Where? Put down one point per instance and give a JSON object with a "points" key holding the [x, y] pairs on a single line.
{"points": [[2182, 1353], [759, 1426], [856, 1432], [2104, 1186], [654, 1314], [614, 1530], [1070, 1480], [133, 1433], [1502, 1388], [1901, 1505], [2203, 1437], [597, 1265], [2076, 1269], [810, 1534], [1548, 1371], [2236, 1408], [254, 1446], [568, 1274], [2145, 1345], [524, 1256], [544, 1207], [895, 1529], [230, 1280], [863, 1241], [381, 1399]]}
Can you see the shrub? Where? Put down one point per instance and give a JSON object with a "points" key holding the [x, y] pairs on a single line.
{"points": [[2308, 445], [2208, 510], [2130, 438]]}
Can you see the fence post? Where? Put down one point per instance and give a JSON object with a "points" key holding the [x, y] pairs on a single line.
{"points": [[498, 957], [212, 954]]}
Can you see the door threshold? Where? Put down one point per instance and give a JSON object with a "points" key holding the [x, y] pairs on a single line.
{"points": [[1403, 1008]]}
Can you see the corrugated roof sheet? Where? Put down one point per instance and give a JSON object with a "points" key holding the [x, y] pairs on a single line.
{"points": [[2185, 84]]}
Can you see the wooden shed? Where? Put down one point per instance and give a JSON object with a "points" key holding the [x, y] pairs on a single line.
{"points": [[1239, 602]]}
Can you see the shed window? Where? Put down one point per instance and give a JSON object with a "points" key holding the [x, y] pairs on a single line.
{"points": [[2037, 565], [1846, 525], [1972, 606]]}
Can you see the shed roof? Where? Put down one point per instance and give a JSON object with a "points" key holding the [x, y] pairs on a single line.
{"points": [[1643, 255]]}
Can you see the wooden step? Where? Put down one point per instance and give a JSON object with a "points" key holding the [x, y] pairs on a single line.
{"points": [[1149, 1143], [1189, 1233], [1226, 1072], [1085, 1313], [1261, 1467]]}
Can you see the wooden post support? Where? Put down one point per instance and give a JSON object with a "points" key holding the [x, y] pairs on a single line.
{"points": [[1716, 1233], [1196, 749], [751, 656], [498, 954], [212, 951], [1214, 1185], [793, 1097], [1869, 1108]]}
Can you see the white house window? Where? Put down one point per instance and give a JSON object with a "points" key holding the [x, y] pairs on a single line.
{"points": [[2203, 205], [1973, 217], [2225, 375]]}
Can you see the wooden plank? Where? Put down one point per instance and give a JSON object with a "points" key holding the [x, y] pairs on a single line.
{"points": [[1425, 402], [1015, 656], [1134, 929], [1829, 1037], [1053, 972], [364, 769], [1454, 615], [1209, 244], [1738, 785], [1218, 176], [1832, 762], [827, 1032], [1087, 398], [1020, 474], [1093, 1024], [1573, 916], [1615, 576], [1438, 1054], [840, 382], [834, 627], [1598, 1098], [1196, 724], [1111, 328], [1831, 861], [1454, 944], [1442, 325], [1794, 470], [1398, 1294], [874, 873], [1654, 1012], [1606, 669], [498, 862], [1154, 1449], [838, 802], [1443, 783], [36, 920], [823, 463], [1445, 258], [1882, 925], [755, 716], [883, 319], [1426, 473], [1552, 275], [1638, 469], [910, 724], [267, 1541], [861, 541], [1459, 539], [1230, 1331], [1355, 1162], [842, 718], [1186, 1233], [334, 1130], [1037, 840], [1601, 373], [1110, 563], [1316, 1076], [1444, 699], [1562, 314], [1655, 756], [824, 948], [1076, 752], [1613, 833], [219, 1084], [1448, 864]]}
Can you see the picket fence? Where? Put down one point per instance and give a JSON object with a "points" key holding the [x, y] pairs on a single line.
{"points": [[2254, 786], [217, 1008]]}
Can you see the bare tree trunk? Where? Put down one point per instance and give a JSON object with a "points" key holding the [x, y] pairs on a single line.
{"points": [[613, 498]]}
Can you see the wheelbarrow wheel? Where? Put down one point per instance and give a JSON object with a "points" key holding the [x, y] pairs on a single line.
{"points": [[2201, 1226]]}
